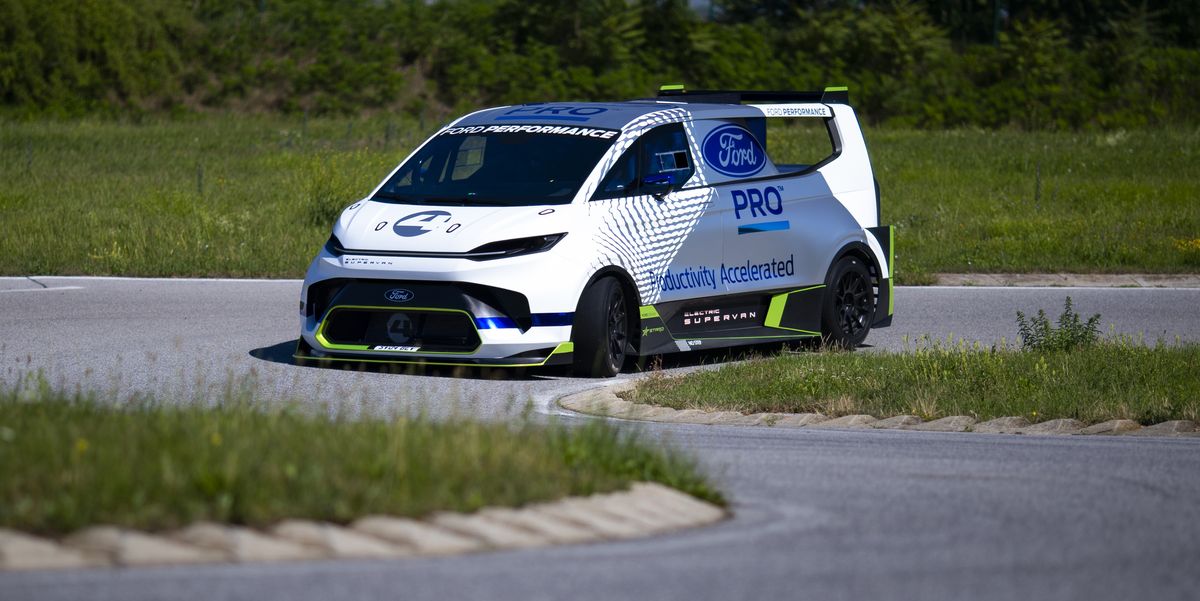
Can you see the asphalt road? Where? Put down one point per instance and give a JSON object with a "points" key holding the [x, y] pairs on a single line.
{"points": [[817, 514]]}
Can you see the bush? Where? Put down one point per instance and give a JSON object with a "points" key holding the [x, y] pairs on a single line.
{"points": [[906, 62], [1071, 334]]}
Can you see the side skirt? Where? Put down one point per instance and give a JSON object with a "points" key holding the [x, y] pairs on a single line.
{"points": [[725, 321]]}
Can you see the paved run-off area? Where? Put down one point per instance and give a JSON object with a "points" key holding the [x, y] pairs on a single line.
{"points": [[829, 514]]}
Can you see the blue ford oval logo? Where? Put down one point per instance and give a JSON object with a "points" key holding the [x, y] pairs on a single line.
{"points": [[732, 150], [420, 223], [399, 295]]}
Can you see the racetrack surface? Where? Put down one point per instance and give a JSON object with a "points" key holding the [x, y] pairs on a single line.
{"points": [[817, 514]]}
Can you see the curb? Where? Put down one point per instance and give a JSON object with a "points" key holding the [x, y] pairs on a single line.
{"points": [[604, 402], [1070, 280], [646, 509]]}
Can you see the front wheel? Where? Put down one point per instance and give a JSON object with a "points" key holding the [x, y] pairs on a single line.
{"points": [[601, 331], [848, 307]]}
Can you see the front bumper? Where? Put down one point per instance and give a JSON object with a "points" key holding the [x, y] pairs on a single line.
{"points": [[428, 322]]}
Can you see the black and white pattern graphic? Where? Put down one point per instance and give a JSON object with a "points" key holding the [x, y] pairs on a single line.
{"points": [[642, 234]]}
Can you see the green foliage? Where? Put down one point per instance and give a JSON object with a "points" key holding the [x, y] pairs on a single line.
{"points": [[70, 460], [1097, 63], [1072, 334]]}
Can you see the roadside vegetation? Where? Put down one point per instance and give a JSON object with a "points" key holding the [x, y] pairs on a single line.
{"points": [[70, 460], [255, 197], [1036, 64], [1059, 370]]}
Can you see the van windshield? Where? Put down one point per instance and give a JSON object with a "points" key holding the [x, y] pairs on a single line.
{"points": [[504, 165]]}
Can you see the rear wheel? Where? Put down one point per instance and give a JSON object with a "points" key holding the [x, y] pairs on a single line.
{"points": [[601, 331], [848, 307]]}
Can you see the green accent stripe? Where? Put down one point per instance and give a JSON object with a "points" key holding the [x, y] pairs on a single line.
{"points": [[837, 88], [562, 349], [775, 311], [648, 312], [434, 362], [786, 337], [670, 87], [891, 269]]}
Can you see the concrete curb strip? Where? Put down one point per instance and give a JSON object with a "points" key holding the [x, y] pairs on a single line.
{"points": [[1055, 426], [1002, 425], [1085, 280], [1170, 428], [645, 509], [335, 541], [953, 423], [423, 538], [494, 532], [604, 402], [555, 530], [898, 421], [847, 421], [581, 512], [23, 552], [1112, 426], [132, 548], [244, 545]]}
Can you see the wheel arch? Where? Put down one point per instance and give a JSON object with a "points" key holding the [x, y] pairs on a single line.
{"points": [[860, 251], [633, 300]]}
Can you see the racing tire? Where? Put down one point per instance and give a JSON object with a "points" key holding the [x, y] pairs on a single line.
{"points": [[848, 307], [601, 332]]}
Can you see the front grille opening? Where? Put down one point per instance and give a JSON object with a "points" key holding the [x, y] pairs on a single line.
{"points": [[430, 331]]}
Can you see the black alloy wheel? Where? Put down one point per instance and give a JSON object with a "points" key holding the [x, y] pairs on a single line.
{"points": [[849, 305], [617, 327], [601, 330]]}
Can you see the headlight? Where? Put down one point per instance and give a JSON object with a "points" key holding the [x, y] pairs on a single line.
{"points": [[512, 248]]}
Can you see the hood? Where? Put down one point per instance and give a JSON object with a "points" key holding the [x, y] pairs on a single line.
{"points": [[372, 225]]}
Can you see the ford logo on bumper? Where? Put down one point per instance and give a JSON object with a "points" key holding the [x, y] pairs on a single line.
{"points": [[399, 295]]}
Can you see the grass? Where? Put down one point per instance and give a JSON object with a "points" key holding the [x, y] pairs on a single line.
{"points": [[1101, 202], [72, 460], [244, 196], [1109, 380]]}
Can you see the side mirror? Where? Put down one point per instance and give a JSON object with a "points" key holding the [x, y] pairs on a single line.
{"points": [[658, 184]]}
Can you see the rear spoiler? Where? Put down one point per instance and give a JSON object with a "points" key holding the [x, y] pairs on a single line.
{"points": [[676, 92]]}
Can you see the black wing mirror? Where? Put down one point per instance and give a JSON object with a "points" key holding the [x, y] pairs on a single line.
{"points": [[659, 184]]}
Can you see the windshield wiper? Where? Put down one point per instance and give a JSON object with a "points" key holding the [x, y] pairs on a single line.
{"points": [[447, 201], [464, 201], [397, 198]]}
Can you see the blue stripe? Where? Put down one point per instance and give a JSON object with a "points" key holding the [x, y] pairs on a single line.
{"points": [[494, 323], [542, 117], [553, 319], [770, 226], [539, 320]]}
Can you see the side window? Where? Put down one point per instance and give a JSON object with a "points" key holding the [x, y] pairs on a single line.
{"points": [[795, 145], [665, 151], [622, 178], [662, 150]]}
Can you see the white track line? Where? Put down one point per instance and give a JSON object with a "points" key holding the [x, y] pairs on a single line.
{"points": [[43, 289]]}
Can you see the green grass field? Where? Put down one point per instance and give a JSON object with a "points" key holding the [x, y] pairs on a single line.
{"points": [[245, 196], [69, 460], [1122, 379]]}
